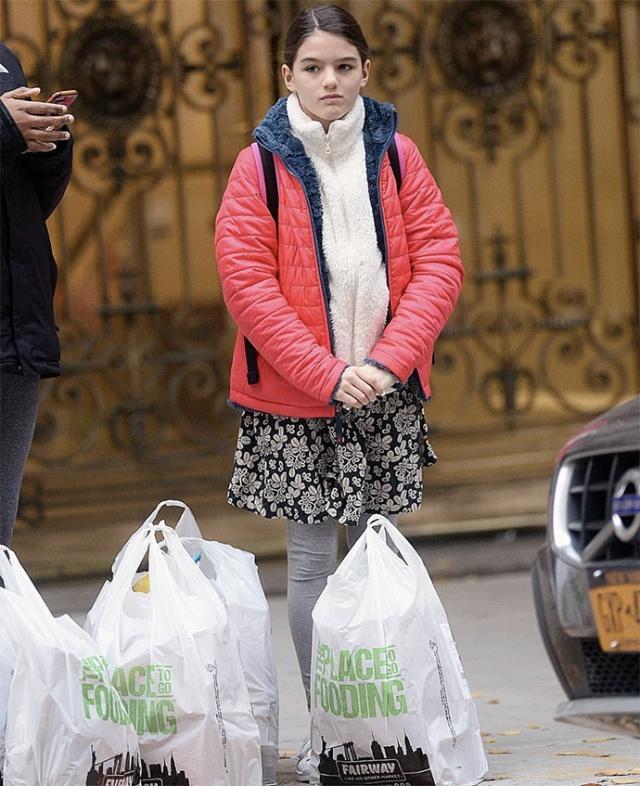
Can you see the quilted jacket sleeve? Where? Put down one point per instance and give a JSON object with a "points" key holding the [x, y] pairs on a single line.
{"points": [[436, 272], [246, 253]]}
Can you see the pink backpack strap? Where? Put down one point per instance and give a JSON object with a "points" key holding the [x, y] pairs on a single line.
{"points": [[261, 181], [400, 155]]}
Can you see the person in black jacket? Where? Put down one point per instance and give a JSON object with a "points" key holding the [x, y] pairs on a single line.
{"points": [[35, 167]]}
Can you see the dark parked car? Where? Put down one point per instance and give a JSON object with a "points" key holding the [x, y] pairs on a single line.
{"points": [[586, 578]]}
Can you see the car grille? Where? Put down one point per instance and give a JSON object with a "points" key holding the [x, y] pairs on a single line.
{"points": [[611, 674], [591, 487]]}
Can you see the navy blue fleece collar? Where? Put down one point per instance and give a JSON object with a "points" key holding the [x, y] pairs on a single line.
{"points": [[274, 131]]}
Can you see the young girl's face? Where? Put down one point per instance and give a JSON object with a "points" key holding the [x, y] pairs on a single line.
{"points": [[327, 76]]}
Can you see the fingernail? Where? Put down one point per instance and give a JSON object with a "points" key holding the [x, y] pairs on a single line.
{"points": [[70, 118], [67, 135]]}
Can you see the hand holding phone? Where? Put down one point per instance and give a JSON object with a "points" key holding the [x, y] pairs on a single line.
{"points": [[40, 123]]}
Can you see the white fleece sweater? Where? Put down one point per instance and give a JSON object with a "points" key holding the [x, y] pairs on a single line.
{"points": [[357, 278]]}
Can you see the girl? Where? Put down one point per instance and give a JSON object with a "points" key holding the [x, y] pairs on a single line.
{"points": [[338, 308]]}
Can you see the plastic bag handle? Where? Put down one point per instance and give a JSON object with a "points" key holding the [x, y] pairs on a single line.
{"points": [[373, 544], [16, 580], [405, 549], [142, 542], [187, 526], [124, 569], [180, 556]]}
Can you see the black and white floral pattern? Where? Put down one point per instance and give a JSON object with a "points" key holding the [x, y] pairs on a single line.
{"points": [[294, 468]]}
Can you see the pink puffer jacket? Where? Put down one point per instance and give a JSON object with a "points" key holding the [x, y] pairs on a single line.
{"points": [[273, 286]]}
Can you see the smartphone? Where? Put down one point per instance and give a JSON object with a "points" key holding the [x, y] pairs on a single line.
{"points": [[66, 97]]}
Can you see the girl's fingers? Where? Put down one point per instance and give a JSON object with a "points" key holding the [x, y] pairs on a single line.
{"points": [[363, 386], [355, 394], [350, 401], [359, 384]]}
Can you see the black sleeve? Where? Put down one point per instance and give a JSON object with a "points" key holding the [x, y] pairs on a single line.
{"points": [[12, 76], [50, 174]]}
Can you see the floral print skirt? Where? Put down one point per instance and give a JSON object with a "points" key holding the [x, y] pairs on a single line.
{"points": [[304, 469]]}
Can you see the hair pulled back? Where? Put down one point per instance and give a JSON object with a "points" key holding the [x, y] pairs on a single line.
{"points": [[329, 19]]}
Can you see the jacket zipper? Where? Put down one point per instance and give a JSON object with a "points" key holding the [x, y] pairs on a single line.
{"points": [[385, 250]]}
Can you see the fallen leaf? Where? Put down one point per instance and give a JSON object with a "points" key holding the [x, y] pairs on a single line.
{"points": [[634, 771], [486, 733], [591, 754], [624, 780], [497, 751], [598, 739], [476, 694], [590, 784], [533, 726], [490, 740], [493, 701], [512, 733]]}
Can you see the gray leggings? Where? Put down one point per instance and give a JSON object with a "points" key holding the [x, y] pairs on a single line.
{"points": [[312, 558], [18, 409]]}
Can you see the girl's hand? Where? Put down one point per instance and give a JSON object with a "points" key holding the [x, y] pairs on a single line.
{"points": [[354, 390], [380, 379]]}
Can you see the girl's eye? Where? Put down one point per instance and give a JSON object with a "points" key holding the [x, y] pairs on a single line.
{"points": [[311, 68], [345, 67]]}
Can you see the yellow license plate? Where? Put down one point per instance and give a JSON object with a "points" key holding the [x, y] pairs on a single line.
{"points": [[615, 601]]}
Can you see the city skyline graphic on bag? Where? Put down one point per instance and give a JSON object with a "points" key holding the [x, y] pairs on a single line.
{"points": [[115, 771], [391, 765]]}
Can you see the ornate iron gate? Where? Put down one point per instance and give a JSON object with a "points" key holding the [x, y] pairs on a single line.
{"points": [[527, 113]]}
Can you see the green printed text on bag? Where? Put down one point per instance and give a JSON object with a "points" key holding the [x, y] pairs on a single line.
{"points": [[142, 696], [359, 683]]}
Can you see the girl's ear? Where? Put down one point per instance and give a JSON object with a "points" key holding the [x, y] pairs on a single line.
{"points": [[287, 75], [366, 71]]}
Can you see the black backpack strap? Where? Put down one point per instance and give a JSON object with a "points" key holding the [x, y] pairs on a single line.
{"points": [[394, 160], [251, 356], [271, 186], [270, 180]]}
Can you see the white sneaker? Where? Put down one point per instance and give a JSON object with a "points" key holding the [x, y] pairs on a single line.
{"points": [[303, 767]]}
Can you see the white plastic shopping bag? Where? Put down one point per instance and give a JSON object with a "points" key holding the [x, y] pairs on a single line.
{"points": [[8, 656], [65, 723], [389, 700], [235, 576], [177, 667]]}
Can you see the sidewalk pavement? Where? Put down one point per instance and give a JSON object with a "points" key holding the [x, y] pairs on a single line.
{"points": [[516, 691]]}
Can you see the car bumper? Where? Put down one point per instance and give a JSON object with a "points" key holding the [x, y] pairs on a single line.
{"points": [[602, 688], [618, 714]]}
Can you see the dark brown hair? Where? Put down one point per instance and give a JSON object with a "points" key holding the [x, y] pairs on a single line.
{"points": [[330, 19]]}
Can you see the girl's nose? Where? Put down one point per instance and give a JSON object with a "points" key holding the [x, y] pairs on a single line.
{"points": [[330, 79]]}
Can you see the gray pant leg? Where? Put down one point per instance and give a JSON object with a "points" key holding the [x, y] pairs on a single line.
{"points": [[18, 409], [312, 558]]}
